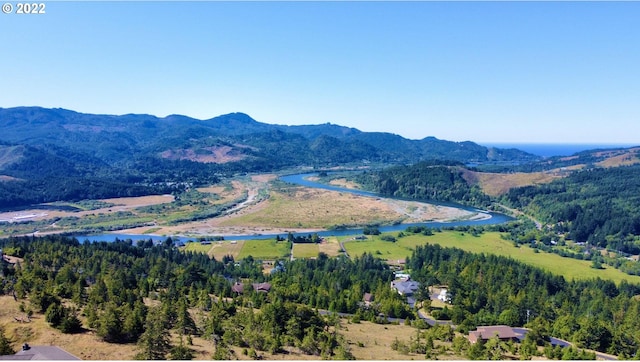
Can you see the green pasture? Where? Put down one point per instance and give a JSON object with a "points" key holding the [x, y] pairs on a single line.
{"points": [[265, 249], [305, 250], [488, 243], [196, 247]]}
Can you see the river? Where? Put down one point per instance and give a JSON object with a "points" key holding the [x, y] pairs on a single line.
{"points": [[302, 179]]}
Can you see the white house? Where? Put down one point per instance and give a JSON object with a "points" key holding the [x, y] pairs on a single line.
{"points": [[444, 296]]}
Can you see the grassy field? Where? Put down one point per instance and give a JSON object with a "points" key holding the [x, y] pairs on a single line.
{"points": [[265, 249], [304, 250], [297, 207], [488, 243], [196, 247], [219, 250]]}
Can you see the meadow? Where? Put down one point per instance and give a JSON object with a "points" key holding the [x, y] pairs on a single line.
{"points": [[297, 207]]}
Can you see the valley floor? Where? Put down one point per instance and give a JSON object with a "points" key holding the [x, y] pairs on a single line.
{"points": [[260, 208]]}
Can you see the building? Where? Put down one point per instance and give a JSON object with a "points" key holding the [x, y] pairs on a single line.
{"points": [[405, 287], [41, 353], [262, 287], [237, 288], [444, 296], [504, 333]]}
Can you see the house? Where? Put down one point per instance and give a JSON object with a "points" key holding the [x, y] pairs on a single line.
{"points": [[444, 296], [367, 298], [237, 288], [402, 275], [262, 287], [504, 333], [50, 353], [405, 287]]}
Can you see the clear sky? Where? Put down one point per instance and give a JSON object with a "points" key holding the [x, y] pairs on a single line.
{"points": [[566, 72]]}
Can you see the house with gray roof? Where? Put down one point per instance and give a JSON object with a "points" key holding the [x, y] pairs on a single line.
{"points": [[40, 353]]}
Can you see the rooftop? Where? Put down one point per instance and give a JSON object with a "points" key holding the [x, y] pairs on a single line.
{"points": [[41, 353]]}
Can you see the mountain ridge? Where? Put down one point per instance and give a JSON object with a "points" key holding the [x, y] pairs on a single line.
{"points": [[67, 153], [56, 124]]}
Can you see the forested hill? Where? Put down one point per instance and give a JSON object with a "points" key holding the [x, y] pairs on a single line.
{"points": [[57, 154], [427, 180], [600, 206], [114, 138]]}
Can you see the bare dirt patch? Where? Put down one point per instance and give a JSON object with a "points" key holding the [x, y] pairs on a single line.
{"points": [[218, 154], [496, 184], [119, 204], [267, 177], [343, 182]]}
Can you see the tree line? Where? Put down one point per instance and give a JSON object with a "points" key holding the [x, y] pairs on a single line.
{"points": [[487, 289], [426, 180], [103, 286], [600, 206]]}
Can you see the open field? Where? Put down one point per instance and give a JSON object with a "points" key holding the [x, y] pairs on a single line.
{"points": [[496, 184], [306, 208], [219, 250], [330, 246], [305, 250], [299, 207], [114, 206], [625, 158], [265, 249], [488, 243]]}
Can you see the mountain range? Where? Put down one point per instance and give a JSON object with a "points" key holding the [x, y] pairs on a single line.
{"points": [[115, 138], [67, 149]]}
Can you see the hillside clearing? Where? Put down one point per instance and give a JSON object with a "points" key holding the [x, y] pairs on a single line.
{"points": [[496, 184]]}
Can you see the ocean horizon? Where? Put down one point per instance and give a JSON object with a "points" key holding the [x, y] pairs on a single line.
{"points": [[556, 149]]}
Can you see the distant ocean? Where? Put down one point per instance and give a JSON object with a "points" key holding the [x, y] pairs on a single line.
{"points": [[554, 149]]}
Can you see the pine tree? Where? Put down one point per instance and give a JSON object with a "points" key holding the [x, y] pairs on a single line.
{"points": [[154, 343], [184, 323], [5, 344]]}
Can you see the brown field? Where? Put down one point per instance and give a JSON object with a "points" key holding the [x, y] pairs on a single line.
{"points": [[225, 192], [305, 208], [330, 246], [219, 250], [299, 209], [314, 208], [625, 159], [343, 182], [496, 184], [120, 204], [220, 154]]}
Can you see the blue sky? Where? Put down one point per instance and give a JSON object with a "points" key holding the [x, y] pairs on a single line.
{"points": [[549, 72]]}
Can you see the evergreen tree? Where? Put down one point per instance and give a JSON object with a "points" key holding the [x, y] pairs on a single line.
{"points": [[5, 344], [154, 343], [184, 323]]}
